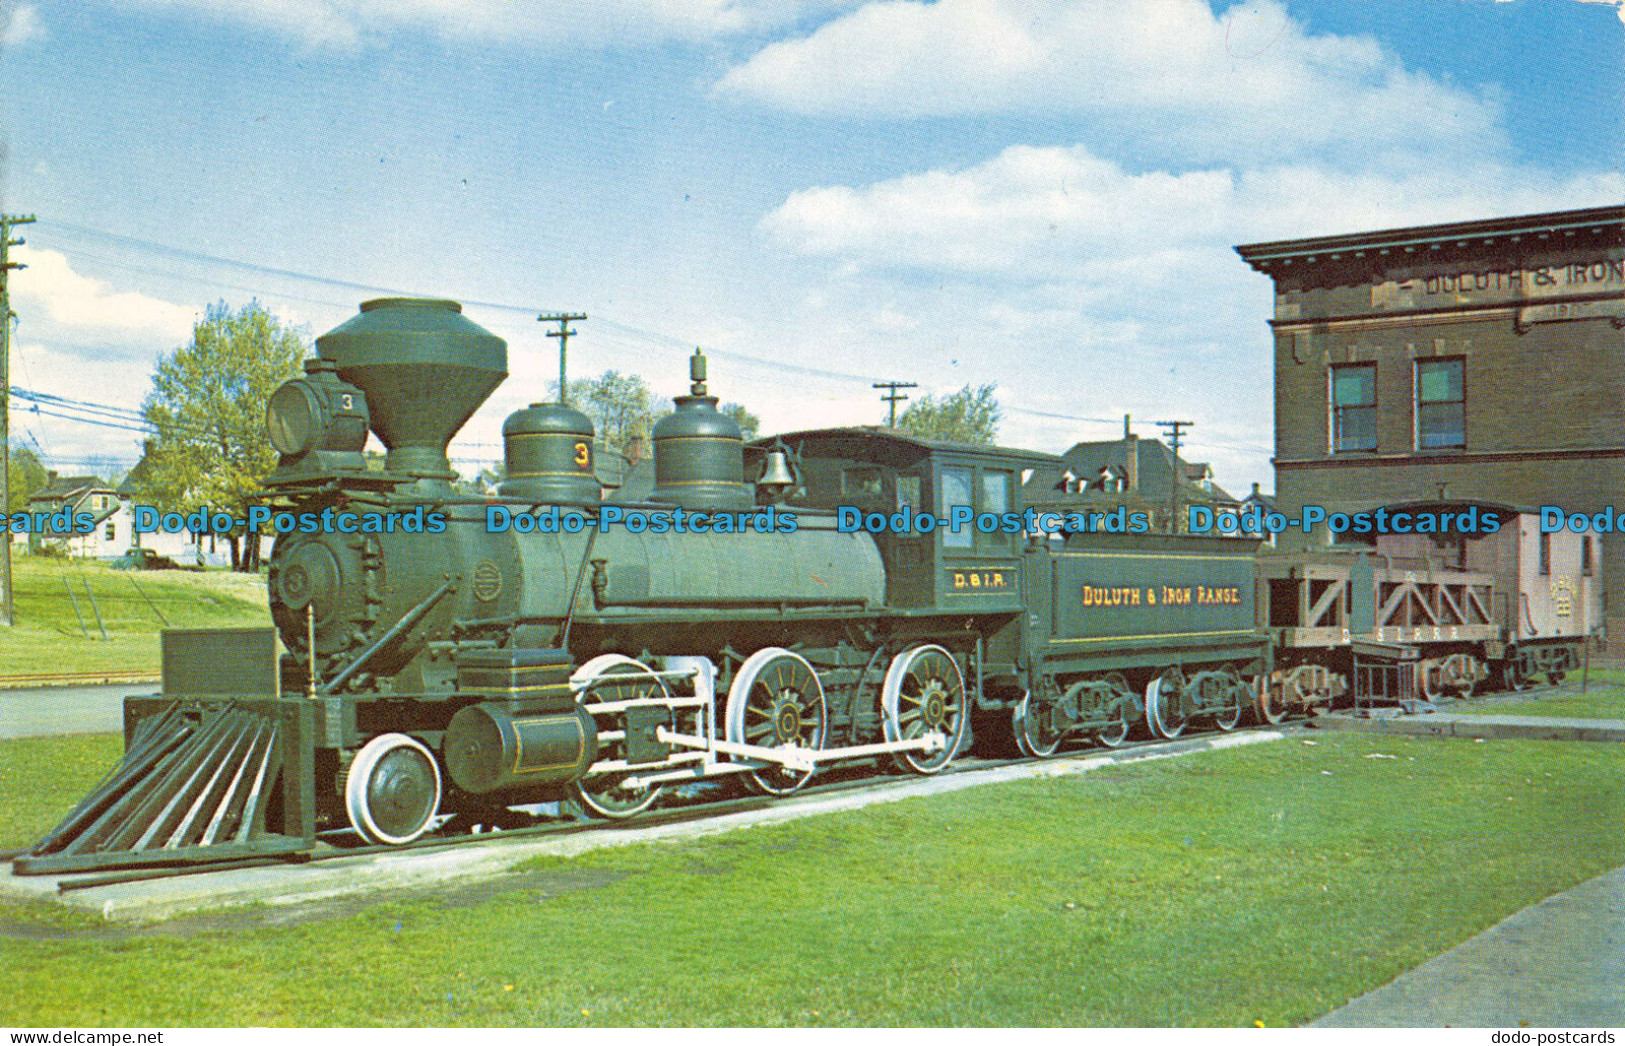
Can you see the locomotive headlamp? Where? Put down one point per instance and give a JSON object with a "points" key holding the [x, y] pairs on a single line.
{"points": [[317, 422], [291, 418]]}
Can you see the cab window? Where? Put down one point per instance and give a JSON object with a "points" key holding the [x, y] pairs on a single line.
{"points": [[996, 499], [957, 492], [861, 482], [908, 492]]}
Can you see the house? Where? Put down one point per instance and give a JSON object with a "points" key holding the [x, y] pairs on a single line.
{"points": [[1257, 505], [183, 546], [89, 495], [1146, 469]]}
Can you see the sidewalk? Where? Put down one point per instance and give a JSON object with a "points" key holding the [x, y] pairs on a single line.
{"points": [[1557, 963], [1488, 727]]}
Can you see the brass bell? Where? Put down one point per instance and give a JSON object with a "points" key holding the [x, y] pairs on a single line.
{"points": [[776, 475]]}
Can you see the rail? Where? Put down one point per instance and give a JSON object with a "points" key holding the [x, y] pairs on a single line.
{"points": [[16, 681]]}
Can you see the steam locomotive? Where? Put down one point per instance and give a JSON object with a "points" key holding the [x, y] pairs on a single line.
{"points": [[420, 671]]}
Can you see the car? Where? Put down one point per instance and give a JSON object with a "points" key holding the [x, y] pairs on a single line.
{"points": [[144, 559]]}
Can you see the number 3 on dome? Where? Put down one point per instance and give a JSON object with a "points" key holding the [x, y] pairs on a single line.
{"points": [[583, 455]]}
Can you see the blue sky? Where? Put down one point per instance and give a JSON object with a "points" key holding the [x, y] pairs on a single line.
{"points": [[1035, 193]]}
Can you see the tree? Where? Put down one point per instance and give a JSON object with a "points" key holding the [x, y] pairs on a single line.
{"points": [[26, 476], [207, 407], [622, 407], [749, 424], [970, 415]]}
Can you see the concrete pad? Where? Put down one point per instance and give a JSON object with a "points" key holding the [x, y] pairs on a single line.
{"points": [[1557, 963], [49, 710], [407, 869], [1489, 727]]}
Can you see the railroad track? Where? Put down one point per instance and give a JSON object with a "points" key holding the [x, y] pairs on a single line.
{"points": [[839, 780], [18, 682]]}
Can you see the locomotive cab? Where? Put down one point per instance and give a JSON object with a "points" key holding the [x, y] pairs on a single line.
{"points": [[885, 473]]}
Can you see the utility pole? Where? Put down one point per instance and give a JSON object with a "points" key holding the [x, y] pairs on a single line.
{"points": [[564, 333], [1174, 428], [893, 396], [6, 316]]}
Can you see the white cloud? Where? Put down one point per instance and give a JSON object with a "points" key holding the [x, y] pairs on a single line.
{"points": [[1037, 214], [1250, 80], [550, 23], [1089, 290], [85, 307], [21, 24]]}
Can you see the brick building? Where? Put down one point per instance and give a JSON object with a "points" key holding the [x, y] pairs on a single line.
{"points": [[1482, 359]]}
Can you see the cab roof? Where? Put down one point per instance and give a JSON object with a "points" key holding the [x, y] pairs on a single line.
{"points": [[883, 436]]}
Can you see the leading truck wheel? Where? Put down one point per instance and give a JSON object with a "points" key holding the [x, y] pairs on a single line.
{"points": [[924, 694], [392, 791], [604, 793]]}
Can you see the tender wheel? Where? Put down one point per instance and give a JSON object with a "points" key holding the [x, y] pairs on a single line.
{"points": [[1163, 717], [776, 699], [1228, 719], [392, 791], [1268, 707], [924, 693], [1033, 731], [1432, 685], [603, 793], [1113, 736], [1018, 728], [1513, 677], [1555, 678]]}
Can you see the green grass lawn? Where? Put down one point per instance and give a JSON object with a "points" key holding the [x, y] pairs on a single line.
{"points": [[134, 606], [1267, 883], [1603, 699], [41, 778]]}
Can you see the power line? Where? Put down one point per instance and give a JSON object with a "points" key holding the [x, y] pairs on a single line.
{"points": [[892, 396], [564, 333], [1174, 428], [7, 223], [640, 333]]}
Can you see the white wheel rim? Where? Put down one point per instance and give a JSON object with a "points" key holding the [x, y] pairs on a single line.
{"points": [[1023, 739], [1230, 718], [355, 788], [1018, 714], [890, 700], [589, 672], [1153, 711], [739, 700]]}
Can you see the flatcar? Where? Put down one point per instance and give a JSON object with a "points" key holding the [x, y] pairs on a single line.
{"points": [[485, 654]]}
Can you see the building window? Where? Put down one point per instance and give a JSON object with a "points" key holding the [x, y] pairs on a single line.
{"points": [[112, 531], [1585, 554], [1441, 404], [1545, 553], [957, 492], [1354, 407]]}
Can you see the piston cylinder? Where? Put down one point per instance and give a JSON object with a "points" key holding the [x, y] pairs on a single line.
{"points": [[488, 748]]}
